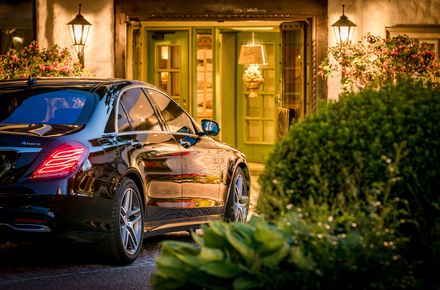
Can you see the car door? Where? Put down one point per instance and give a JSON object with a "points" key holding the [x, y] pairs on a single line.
{"points": [[201, 174], [153, 152]]}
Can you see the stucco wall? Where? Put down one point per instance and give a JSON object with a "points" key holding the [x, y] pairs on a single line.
{"points": [[374, 15], [52, 19]]}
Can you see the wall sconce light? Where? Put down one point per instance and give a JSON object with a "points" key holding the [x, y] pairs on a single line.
{"points": [[252, 55], [79, 30], [343, 29]]}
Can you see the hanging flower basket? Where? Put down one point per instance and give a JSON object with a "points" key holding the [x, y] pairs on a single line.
{"points": [[253, 78], [253, 85]]}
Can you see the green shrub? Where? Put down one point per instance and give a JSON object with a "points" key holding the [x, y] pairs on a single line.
{"points": [[377, 146]]}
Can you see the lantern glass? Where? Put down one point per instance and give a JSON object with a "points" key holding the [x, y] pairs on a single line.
{"points": [[79, 31], [344, 29]]}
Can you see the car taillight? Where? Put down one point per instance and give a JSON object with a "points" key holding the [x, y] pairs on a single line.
{"points": [[64, 160]]}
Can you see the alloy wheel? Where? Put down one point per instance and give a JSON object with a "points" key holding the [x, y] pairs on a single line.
{"points": [[131, 221], [240, 206]]}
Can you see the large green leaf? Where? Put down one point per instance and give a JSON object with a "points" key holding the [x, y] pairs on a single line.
{"points": [[276, 257], [223, 269], [238, 243], [209, 254], [172, 247], [245, 282]]}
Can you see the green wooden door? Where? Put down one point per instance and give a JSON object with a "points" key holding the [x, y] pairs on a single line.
{"points": [[257, 107], [168, 69]]}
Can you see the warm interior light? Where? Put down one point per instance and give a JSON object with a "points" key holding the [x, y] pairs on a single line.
{"points": [[62, 161], [164, 52]]}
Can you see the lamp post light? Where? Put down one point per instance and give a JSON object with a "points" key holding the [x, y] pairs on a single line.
{"points": [[343, 29], [79, 30]]}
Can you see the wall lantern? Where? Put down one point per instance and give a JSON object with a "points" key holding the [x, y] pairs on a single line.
{"points": [[252, 55], [343, 29], [79, 30]]}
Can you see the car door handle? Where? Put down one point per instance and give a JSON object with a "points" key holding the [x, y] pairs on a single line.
{"points": [[136, 143]]}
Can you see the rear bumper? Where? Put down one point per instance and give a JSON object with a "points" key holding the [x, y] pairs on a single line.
{"points": [[78, 218]]}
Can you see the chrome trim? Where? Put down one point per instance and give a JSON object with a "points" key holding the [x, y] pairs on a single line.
{"points": [[34, 228], [184, 222]]}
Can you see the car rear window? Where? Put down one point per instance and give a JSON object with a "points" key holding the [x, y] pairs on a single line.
{"points": [[55, 107]]}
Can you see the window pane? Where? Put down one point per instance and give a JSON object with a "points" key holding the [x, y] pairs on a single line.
{"points": [[139, 110], [175, 84], [175, 59], [253, 107], [269, 106], [175, 117], [269, 132], [253, 131], [162, 53]]}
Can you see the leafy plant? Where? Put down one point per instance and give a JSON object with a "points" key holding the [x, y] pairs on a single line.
{"points": [[33, 61], [374, 62], [231, 256]]}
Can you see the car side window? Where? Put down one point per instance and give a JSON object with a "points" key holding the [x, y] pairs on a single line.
{"points": [[141, 114], [175, 117], [123, 123]]}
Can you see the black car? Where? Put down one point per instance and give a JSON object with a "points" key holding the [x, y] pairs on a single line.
{"points": [[110, 161]]}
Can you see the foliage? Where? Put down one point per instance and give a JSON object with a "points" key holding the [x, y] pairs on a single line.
{"points": [[231, 256], [371, 148], [33, 61], [352, 198], [313, 250], [376, 61]]}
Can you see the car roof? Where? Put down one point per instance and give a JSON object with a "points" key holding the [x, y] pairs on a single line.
{"points": [[66, 82]]}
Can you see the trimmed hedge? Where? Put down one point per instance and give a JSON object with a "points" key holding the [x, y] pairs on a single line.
{"points": [[381, 145]]}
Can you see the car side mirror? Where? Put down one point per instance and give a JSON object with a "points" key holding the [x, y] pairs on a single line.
{"points": [[210, 128]]}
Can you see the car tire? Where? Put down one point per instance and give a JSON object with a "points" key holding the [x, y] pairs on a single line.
{"points": [[124, 242], [237, 207]]}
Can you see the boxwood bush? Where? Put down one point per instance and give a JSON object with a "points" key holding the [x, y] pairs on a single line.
{"points": [[381, 145]]}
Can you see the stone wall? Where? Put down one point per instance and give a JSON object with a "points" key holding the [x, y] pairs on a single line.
{"points": [[52, 19], [374, 15]]}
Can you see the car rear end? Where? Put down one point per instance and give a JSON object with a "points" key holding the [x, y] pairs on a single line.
{"points": [[40, 157]]}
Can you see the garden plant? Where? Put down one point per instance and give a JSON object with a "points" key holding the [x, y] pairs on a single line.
{"points": [[34, 61]]}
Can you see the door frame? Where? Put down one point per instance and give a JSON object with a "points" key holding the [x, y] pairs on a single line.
{"points": [[221, 109]]}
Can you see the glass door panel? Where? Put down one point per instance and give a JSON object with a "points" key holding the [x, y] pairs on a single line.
{"points": [[204, 76], [169, 71], [256, 106], [294, 90]]}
